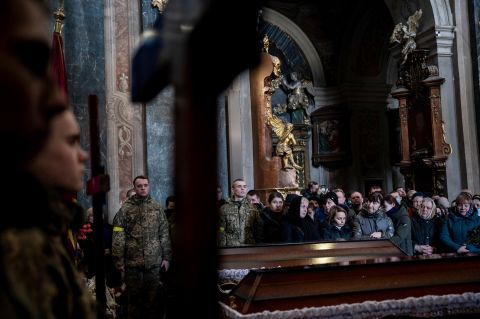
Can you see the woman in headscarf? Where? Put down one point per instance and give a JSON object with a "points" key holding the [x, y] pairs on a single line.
{"points": [[293, 226]]}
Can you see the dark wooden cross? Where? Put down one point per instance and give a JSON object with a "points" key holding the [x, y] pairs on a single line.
{"points": [[205, 44]]}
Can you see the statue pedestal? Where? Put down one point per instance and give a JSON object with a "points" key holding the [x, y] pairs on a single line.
{"points": [[288, 178]]}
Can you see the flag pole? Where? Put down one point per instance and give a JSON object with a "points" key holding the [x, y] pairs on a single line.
{"points": [[59, 16]]}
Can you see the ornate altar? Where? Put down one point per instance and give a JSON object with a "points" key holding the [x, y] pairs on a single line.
{"points": [[281, 125], [424, 150]]}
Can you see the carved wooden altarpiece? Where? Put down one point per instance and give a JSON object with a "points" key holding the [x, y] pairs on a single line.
{"points": [[424, 150]]}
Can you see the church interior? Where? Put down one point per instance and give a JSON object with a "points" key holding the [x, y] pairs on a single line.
{"points": [[350, 94]]}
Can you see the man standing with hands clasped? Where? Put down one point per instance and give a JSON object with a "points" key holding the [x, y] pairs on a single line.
{"points": [[141, 249]]}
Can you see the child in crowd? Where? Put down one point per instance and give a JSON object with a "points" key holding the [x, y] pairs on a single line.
{"points": [[337, 229]]}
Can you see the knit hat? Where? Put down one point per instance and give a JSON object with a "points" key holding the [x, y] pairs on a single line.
{"points": [[330, 195]]}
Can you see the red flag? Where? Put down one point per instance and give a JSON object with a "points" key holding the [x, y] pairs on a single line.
{"points": [[58, 62], [58, 56], [58, 68]]}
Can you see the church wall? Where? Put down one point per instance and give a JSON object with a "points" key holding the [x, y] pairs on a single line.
{"points": [[223, 175], [159, 129], [85, 63], [125, 120], [160, 148]]}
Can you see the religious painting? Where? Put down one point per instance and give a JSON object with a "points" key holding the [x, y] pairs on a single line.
{"points": [[331, 136]]}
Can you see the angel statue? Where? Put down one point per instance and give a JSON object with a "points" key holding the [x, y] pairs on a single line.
{"points": [[286, 139], [297, 98], [405, 34]]}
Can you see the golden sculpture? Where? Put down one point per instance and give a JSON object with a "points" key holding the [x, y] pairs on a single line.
{"points": [[283, 130], [405, 34], [286, 140], [159, 4], [59, 16], [297, 98], [266, 43]]}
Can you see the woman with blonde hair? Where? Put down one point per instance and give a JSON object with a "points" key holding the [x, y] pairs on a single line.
{"points": [[458, 225]]}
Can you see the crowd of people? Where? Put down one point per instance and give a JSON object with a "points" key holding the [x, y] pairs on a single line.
{"points": [[44, 236], [414, 222]]}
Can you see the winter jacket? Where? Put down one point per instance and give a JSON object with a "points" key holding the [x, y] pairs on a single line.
{"points": [[141, 236], [455, 231], [402, 225], [366, 224]]}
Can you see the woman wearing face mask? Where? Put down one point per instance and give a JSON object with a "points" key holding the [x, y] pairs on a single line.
{"points": [[371, 222], [459, 223], [402, 236], [425, 228]]}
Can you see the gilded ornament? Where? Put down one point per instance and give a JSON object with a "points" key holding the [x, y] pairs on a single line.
{"points": [[286, 140], [405, 34], [447, 148], [160, 5], [59, 16], [266, 44]]}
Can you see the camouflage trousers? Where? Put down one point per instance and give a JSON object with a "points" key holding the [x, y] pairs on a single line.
{"points": [[146, 296]]}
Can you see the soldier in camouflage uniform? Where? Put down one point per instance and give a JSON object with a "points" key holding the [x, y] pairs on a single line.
{"points": [[237, 218], [141, 249]]}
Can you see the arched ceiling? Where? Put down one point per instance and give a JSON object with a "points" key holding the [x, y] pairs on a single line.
{"points": [[350, 36]]}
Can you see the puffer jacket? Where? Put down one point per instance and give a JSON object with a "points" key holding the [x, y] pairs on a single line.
{"points": [[366, 224]]}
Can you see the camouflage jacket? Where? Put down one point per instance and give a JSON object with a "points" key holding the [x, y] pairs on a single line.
{"points": [[236, 223], [140, 234], [37, 276]]}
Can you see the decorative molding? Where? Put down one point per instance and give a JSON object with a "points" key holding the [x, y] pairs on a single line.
{"points": [[125, 148], [125, 123]]}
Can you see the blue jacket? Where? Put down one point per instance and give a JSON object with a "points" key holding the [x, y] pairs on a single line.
{"points": [[455, 229]]}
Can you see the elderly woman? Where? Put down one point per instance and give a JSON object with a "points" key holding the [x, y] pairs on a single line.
{"points": [[458, 225], [372, 223], [425, 228]]}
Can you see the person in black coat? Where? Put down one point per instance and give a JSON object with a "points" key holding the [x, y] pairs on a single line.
{"points": [[268, 227], [402, 224], [293, 226], [426, 228], [337, 229]]}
